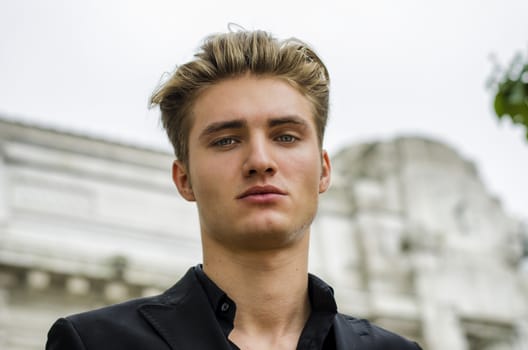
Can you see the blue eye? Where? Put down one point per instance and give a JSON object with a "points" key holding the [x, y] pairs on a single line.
{"points": [[286, 138], [226, 141]]}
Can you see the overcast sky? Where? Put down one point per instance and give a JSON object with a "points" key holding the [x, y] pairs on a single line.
{"points": [[406, 67]]}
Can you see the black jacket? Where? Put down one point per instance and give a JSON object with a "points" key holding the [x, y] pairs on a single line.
{"points": [[181, 319]]}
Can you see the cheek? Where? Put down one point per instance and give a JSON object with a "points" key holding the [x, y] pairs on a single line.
{"points": [[202, 183], [306, 168], [209, 181]]}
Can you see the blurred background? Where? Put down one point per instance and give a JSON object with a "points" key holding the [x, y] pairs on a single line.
{"points": [[424, 230]]}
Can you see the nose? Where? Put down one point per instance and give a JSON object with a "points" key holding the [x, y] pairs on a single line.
{"points": [[259, 158]]}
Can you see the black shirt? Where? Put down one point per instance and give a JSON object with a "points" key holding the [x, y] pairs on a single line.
{"points": [[317, 333], [184, 317]]}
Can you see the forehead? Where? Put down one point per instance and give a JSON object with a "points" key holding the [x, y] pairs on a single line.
{"points": [[251, 98]]}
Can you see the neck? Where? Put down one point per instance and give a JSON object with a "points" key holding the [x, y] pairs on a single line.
{"points": [[270, 288]]}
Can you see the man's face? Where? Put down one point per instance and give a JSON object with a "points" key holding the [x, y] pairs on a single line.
{"points": [[255, 167]]}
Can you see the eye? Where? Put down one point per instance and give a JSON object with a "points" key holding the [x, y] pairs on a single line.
{"points": [[286, 138], [224, 142]]}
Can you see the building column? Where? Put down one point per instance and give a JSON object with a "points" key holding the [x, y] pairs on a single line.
{"points": [[522, 333], [441, 326], [3, 188]]}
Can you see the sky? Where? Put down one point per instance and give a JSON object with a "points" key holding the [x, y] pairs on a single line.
{"points": [[398, 68]]}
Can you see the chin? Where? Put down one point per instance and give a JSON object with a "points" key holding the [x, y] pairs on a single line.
{"points": [[268, 237]]}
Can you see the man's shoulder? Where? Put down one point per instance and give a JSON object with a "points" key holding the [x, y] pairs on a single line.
{"points": [[117, 326], [114, 312], [126, 325], [129, 309], [370, 335]]}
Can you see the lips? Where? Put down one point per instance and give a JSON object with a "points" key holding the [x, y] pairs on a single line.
{"points": [[261, 190]]}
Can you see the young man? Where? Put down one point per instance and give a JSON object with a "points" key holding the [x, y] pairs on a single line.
{"points": [[246, 118]]}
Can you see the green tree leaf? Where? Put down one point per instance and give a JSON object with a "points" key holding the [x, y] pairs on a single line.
{"points": [[511, 97]]}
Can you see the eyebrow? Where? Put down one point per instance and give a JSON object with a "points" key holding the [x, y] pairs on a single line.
{"points": [[287, 120], [241, 123], [219, 126]]}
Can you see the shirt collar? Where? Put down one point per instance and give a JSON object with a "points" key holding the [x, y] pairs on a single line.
{"points": [[316, 333], [223, 306], [321, 294]]}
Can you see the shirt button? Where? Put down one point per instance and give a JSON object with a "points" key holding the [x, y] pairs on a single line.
{"points": [[224, 307]]}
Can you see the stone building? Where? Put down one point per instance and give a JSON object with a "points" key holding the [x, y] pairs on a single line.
{"points": [[410, 238], [407, 235]]}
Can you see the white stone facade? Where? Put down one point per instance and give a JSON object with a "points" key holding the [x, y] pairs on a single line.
{"points": [[410, 238], [407, 235], [83, 223]]}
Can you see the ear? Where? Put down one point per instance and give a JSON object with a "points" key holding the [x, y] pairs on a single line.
{"points": [[326, 170], [181, 179]]}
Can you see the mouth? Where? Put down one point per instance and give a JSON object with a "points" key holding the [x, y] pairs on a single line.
{"points": [[261, 191]]}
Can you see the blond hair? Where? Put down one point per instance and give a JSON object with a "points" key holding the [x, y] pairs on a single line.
{"points": [[233, 54]]}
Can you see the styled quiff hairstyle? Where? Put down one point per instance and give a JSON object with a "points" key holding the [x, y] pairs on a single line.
{"points": [[233, 54]]}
